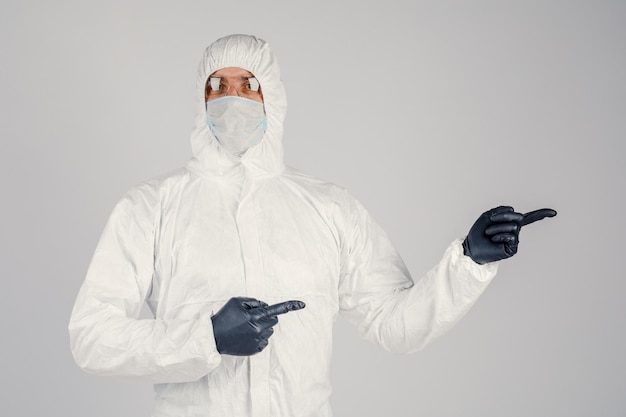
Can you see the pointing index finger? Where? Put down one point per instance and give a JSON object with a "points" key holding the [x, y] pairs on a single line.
{"points": [[533, 216], [282, 308]]}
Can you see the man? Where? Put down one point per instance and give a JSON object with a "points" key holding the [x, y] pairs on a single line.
{"points": [[211, 246]]}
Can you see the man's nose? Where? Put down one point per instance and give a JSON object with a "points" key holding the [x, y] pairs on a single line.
{"points": [[231, 91]]}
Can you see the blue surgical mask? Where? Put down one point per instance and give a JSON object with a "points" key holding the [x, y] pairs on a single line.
{"points": [[237, 123]]}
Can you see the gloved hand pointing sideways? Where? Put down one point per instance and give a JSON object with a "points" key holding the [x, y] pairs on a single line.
{"points": [[495, 235], [243, 326]]}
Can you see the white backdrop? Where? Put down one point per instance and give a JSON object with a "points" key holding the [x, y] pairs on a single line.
{"points": [[429, 112]]}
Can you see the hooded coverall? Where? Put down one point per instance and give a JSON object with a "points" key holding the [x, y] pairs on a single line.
{"points": [[223, 226]]}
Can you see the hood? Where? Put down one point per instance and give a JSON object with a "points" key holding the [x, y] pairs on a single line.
{"points": [[264, 159]]}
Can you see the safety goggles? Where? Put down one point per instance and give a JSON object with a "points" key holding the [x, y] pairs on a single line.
{"points": [[246, 87]]}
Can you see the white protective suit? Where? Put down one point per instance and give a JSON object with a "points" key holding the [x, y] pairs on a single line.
{"points": [[223, 226]]}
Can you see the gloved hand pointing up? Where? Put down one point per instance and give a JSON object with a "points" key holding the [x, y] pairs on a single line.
{"points": [[495, 235]]}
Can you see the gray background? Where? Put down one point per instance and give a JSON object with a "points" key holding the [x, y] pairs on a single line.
{"points": [[429, 112]]}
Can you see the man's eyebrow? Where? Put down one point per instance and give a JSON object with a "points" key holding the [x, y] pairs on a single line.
{"points": [[243, 77]]}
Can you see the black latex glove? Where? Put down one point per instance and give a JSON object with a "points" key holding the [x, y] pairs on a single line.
{"points": [[495, 235], [243, 326]]}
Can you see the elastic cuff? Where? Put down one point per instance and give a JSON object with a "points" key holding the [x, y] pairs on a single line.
{"points": [[482, 273]]}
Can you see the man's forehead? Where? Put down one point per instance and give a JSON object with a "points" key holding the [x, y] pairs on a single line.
{"points": [[232, 72]]}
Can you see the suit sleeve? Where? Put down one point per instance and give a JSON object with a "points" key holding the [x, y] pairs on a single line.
{"points": [[106, 335], [378, 295]]}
